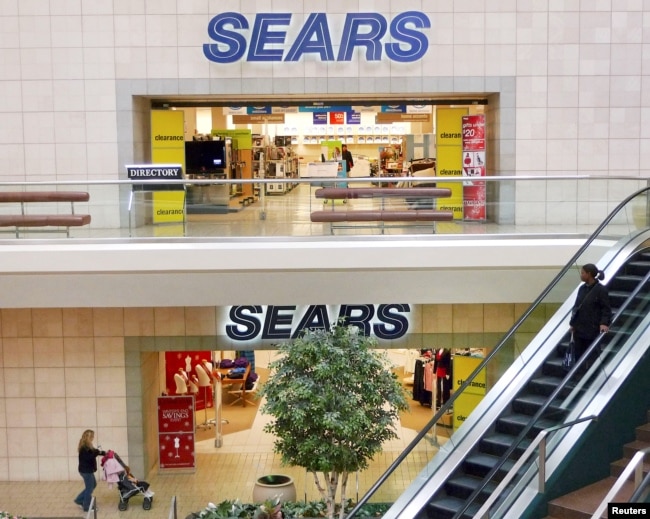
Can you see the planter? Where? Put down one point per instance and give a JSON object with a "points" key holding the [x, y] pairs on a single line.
{"points": [[274, 485]]}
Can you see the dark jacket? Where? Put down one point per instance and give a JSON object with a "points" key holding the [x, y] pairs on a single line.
{"points": [[347, 157], [590, 310], [88, 460]]}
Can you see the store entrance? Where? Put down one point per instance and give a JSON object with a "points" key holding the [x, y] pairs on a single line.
{"points": [[274, 138]]}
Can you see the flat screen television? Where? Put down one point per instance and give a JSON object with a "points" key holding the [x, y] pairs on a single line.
{"points": [[205, 157]]}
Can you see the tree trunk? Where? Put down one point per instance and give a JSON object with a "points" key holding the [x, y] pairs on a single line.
{"points": [[344, 484], [333, 484]]}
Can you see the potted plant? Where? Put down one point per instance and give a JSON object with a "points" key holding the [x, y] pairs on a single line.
{"points": [[334, 401]]}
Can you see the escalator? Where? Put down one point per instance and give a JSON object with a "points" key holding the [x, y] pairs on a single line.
{"points": [[530, 391], [506, 436]]}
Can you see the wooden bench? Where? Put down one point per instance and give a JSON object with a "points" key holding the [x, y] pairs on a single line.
{"points": [[37, 222], [382, 215]]}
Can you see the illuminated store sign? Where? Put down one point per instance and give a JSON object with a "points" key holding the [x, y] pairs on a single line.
{"points": [[246, 323], [268, 40]]}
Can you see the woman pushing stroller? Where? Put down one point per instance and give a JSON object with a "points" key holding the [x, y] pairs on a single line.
{"points": [[87, 467]]}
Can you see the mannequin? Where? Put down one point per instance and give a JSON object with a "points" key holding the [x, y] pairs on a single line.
{"points": [[442, 370]]}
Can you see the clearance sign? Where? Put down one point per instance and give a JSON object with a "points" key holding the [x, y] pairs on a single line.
{"points": [[449, 161], [470, 398], [168, 147]]}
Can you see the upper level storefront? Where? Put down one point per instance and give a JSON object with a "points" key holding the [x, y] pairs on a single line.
{"points": [[560, 87]]}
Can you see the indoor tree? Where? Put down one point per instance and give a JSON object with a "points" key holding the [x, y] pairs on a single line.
{"points": [[334, 402]]}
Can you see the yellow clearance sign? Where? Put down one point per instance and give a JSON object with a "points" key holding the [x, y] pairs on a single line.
{"points": [[449, 160], [470, 398], [168, 147]]}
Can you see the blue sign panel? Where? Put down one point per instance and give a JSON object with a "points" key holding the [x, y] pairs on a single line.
{"points": [[324, 108], [257, 110], [352, 117], [264, 39], [319, 117], [394, 109]]}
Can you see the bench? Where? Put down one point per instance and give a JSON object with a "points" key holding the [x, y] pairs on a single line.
{"points": [[408, 217], [36, 222]]}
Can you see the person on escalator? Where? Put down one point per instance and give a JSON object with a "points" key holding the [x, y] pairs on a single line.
{"points": [[591, 314]]}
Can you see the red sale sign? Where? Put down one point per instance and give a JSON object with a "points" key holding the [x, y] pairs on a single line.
{"points": [[337, 117], [176, 432], [474, 199]]}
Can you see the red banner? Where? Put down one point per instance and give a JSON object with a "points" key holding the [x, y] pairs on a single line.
{"points": [[176, 432], [474, 199]]}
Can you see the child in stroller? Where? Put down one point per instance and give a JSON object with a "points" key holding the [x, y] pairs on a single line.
{"points": [[127, 484]]}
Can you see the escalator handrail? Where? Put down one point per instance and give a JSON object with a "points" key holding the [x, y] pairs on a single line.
{"points": [[448, 405], [641, 492], [541, 436], [540, 412], [635, 464]]}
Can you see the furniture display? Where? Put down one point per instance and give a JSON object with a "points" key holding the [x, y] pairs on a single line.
{"points": [[226, 381]]}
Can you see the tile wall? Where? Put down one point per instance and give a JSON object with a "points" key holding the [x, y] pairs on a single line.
{"points": [[63, 370]]}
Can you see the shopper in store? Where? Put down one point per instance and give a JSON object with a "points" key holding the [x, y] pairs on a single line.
{"points": [[87, 467], [347, 157], [592, 313]]}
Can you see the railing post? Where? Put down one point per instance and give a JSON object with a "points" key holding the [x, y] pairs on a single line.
{"points": [[172, 509], [542, 463]]}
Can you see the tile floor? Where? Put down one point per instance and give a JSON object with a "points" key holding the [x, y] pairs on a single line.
{"points": [[228, 472]]}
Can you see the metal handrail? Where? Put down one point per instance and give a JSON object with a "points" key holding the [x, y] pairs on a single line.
{"points": [[493, 353], [172, 509], [641, 493], [540, 439], [635, 465], [576, 367]]}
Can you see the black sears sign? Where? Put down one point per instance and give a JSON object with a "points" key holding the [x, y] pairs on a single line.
{"points": [[277, 323]]}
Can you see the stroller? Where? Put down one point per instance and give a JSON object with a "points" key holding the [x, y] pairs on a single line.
{"points": [[117, 471]]}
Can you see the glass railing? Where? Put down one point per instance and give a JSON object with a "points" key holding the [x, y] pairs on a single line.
{"points": [[435, 443], [280, 207]]}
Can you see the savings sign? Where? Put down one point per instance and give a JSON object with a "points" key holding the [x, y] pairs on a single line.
{"points": [[271, 37]]}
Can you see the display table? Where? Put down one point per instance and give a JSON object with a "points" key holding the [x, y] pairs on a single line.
{"points": [[225, 381]]}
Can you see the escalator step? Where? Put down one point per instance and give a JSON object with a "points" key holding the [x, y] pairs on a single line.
{"points": [[553, 366], [639, 266], [447, 507], [514, 423], [544, 385], [530, 403], [480, 465], [496, 444], [463, 487], [623, 282]]}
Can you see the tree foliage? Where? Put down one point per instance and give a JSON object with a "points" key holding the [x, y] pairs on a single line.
{"points": [[334, 402]]}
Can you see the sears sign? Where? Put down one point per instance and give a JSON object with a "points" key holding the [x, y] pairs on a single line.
{"points": [[277, 323], [267, 41]]}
